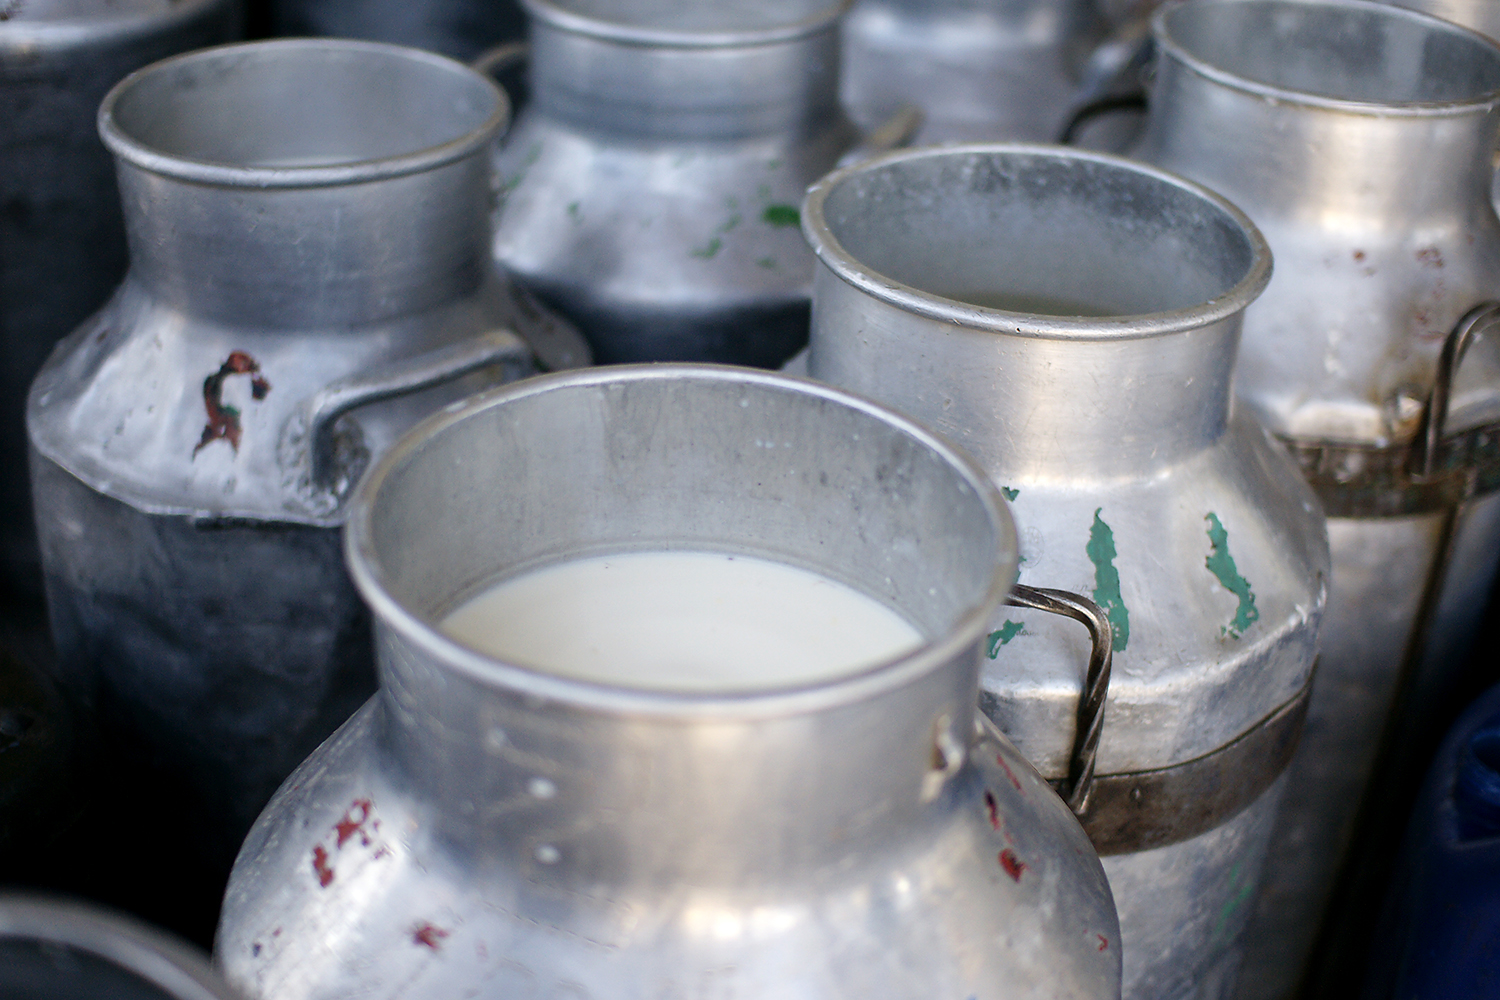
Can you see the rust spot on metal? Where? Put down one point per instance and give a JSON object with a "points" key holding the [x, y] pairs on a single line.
{"points": [[224, 421], [429, 936], [992, 808], [1359, 255], [320, 866], [1430, 257], [1013, 865], [349, 826], [1000, 759]]}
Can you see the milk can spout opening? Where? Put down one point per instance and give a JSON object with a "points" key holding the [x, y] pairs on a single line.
{"points": [[1343, 54]]}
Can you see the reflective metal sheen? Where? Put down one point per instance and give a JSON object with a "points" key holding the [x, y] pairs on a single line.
{"points": [[308, 226], [490, 829], [979, 69], [62, 243], [1359, 138], [1072, 319], [650, 189]]}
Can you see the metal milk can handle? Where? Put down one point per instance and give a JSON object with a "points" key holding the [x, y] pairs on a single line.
{"points": [[1112, 78], [896, 131], [1081, 761], [1424, 452], [500, 58], [323, 409]]}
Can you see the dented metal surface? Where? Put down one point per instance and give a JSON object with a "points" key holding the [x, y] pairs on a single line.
{"points": [[1359, 138], [289, 262], [62, 243], [1073, 319], [650, 190], [482, 826]]}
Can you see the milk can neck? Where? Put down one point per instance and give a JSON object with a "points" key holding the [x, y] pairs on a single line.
{"points": [[734, 88], [726, 797], [298, 258]]}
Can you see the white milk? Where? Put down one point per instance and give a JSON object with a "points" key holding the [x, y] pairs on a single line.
{"points": [[682, 621]]}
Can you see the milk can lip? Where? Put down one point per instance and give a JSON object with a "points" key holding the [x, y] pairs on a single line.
{"points": [[470, 140], [364, 566], [1479, 102], [832, 254], [559, 16]]}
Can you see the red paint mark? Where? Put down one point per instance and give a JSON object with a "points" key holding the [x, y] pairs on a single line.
{"points": [[276, 932], [1359, 255], [1008, 838], [224, 421], [1013, 865], [1430, 257], [320, 866], [382, 853], [992, 808], [349, 826], [1103, 942], [427, 934], [1009, 773]]}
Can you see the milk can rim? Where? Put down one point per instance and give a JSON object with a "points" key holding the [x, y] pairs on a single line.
{"points": [[1378, 109], [112, 28], [138, 154], [967, 632], [841, 262], [625, 34], [152, 955]]}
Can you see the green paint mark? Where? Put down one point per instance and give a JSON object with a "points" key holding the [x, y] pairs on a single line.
{"points": [[573, 212], [1011, 494], [730, 223], [708, 252], [773, 164], [528, 161], [1004, 634], [782, 216], [1234, 902], [1221, 564], [769, 263], [1101, 552]]}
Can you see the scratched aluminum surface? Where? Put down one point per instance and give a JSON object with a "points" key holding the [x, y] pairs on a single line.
{"points": [[487, 830], [197, 592], [1358, 138], [650, 190], [63, 239], [1072, 320], [987, 70]]}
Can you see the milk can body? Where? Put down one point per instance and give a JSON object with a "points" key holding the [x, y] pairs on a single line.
{"points": [[1072, 320], [978, 69], [63, 242], [501, 829], [1358, 138], [190, 448], [650, 188]]}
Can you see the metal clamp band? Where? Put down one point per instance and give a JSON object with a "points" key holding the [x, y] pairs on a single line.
{"points": [[1432, 472], [1140, 810]]}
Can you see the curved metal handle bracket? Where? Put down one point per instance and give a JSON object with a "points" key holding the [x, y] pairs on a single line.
{"points": [[500, 58], [1085, 753], [309, 442], [895, 132], [1422, 462]]}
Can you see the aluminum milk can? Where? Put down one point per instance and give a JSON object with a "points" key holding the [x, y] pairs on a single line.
{"points": [[1358, 138], [979, 69], [69, 951], [650, 188], [309, 234], [62, 246], [1072, 319], [490, 830]]}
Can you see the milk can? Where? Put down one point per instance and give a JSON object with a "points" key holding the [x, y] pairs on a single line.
{"points": [[979, 69], [1072, 319], [483, 828], [1358, 138], [69, 951], [650, 188], [308, 226], [62, 247], [1482, 16]]}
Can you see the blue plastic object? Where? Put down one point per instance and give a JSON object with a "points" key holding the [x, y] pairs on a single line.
{"points": [[1440, 939]]}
